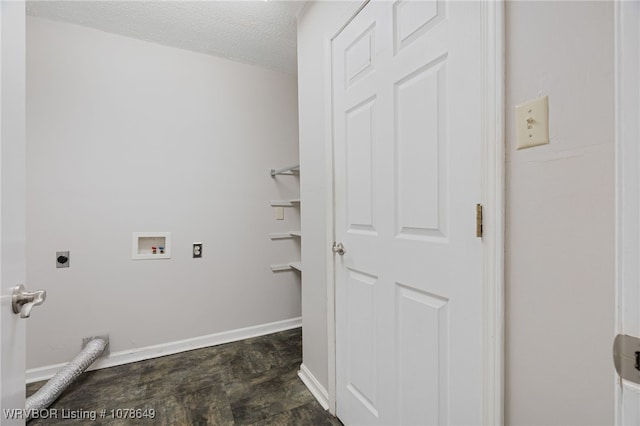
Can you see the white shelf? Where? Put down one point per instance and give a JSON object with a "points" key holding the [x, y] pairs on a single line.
{"points": [[278, 268], [293, 234], [285, 203], [280, 235], [285, 235], [292, 266]]}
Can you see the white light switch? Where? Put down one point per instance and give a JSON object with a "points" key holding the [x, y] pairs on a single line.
{"points": [[532, 123], [279, 213]]}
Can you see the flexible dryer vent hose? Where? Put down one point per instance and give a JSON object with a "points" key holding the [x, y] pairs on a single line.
{"points": [[63, 378]]}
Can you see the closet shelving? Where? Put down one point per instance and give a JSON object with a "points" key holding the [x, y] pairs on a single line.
{"points": [[294, 202], [291, 170], [285, 203], [285, 235], [291, 266]]}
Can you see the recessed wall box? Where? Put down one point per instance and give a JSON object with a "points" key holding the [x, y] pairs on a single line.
{"points": [[143, 244]]}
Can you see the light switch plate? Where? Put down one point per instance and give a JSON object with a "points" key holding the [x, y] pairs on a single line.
{"points": [[279, 213], [532, 123]]}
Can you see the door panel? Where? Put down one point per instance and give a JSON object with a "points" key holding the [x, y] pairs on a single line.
{"points": [[421, 152], [359, 56], [362, 349], [406, 110], [422, 331], [413, 19], [360, 179]]}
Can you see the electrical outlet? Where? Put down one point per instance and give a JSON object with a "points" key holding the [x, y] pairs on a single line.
{"points": [[62, 259], [197, 250]]}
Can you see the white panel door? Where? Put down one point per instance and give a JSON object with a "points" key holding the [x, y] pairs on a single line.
{"points": [[628, 189], [407, 143], [12, 207]]}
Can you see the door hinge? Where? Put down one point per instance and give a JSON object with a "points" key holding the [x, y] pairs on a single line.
{"points": [[479, 220]]}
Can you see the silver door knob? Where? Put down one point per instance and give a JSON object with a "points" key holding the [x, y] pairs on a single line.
{"points": [[339, 248], [23, 301]]}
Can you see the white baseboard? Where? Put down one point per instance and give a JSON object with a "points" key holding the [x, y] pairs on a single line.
{"points": [[155, 351], [314, 386]]}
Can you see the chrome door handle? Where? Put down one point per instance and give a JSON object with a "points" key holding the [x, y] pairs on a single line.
{"points": [[23, 301], [339, 248]]}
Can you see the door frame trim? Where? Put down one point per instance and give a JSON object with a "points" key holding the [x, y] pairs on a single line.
{"points": [[492, 198], [627, 101]]}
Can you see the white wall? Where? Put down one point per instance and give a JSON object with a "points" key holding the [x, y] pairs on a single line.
{"points": [[560, 209], [560, 216], [125, 136], [318, 23]]}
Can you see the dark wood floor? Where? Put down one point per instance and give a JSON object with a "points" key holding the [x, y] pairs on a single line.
{"points": [[251, 382]]}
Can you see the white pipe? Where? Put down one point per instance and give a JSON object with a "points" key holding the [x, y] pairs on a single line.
{"points": [[67, 375]]}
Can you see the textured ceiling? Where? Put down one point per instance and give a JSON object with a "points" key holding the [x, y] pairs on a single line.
{"points": [[257, 32]]}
